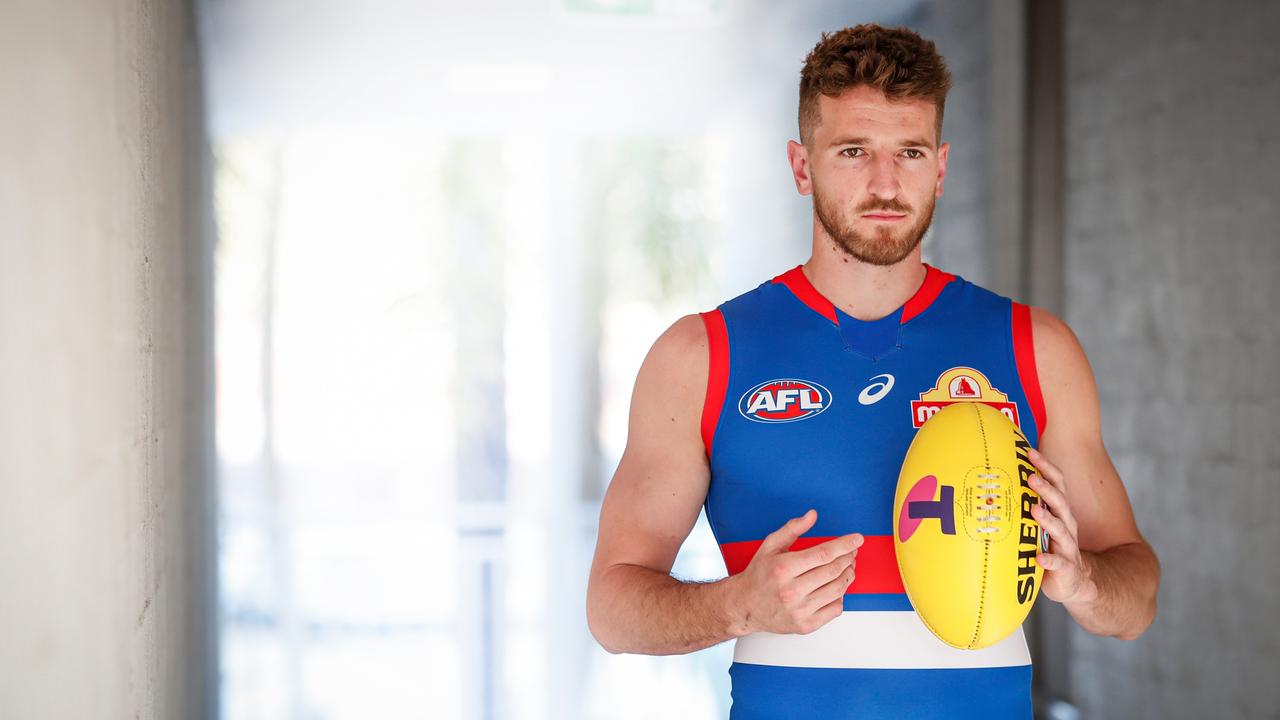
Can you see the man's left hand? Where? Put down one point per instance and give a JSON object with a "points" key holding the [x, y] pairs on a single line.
{"points": [[1067, 574]]}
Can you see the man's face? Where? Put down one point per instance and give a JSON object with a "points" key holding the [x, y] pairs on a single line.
{"points": [[875, 171]]}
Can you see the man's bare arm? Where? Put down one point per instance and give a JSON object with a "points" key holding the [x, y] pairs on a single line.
{"points": [[1099, 567], [633, 603]]}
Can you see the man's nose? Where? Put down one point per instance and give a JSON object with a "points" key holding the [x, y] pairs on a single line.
{"points": [[883, 183]]}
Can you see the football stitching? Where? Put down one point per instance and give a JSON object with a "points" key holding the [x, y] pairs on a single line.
{"points": [[935, 632], [986, 544]]}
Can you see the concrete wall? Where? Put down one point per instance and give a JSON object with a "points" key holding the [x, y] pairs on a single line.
{"points": [[106, 535], [1171, 260], [960, 238]]}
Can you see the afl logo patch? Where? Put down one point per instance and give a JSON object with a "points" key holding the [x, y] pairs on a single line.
{"points": [[785, 400]]}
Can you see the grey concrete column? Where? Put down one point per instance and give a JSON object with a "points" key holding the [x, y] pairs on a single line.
{"points": [[107, 601], [1171, 254]]}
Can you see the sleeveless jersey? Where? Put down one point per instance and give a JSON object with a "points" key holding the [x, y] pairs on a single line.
{"points": [[808, 407]]}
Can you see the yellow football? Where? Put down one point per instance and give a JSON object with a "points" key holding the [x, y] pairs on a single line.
{"points": [[962, 527]]}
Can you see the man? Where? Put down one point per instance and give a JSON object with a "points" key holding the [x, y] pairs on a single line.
{"points": [[788, 411]]}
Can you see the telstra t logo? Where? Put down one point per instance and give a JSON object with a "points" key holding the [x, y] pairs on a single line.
{"points": [[919, 505]]}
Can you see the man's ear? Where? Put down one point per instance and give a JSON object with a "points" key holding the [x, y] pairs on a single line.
{"points": [[943, 151], [799, 159]]}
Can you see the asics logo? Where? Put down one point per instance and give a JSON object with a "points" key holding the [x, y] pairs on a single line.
{"points": [[878, 388]]}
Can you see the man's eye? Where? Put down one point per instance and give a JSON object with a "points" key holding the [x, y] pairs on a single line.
{"points": [[848, 152], [917, 155]]}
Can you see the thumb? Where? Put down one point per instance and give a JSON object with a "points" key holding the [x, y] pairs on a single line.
{"points": [[780, 540]]}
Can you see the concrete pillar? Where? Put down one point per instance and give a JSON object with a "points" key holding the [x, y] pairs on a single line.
{"points": [[107, 600], [965, 235], [1171, 149]]}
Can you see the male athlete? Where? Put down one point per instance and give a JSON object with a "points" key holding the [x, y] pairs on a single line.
{"points": [[788, 410]]}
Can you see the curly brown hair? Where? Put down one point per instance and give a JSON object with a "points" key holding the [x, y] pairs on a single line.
{"points": [[896, 61]]}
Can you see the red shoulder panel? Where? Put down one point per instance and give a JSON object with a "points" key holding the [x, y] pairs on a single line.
{"points": [[717, 374], [1024, 355]]}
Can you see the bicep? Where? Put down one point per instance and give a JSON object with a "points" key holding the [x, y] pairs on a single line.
{"points": [[1072, 438], [661, 481]]}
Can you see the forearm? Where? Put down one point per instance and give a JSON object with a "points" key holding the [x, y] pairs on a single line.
{"points": [[1122, 602], [637, 609]]}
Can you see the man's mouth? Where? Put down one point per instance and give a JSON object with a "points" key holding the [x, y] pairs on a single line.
{"points": [[884, 217]]}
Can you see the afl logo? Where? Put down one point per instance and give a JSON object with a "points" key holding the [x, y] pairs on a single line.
{"points": [[778, 401]]}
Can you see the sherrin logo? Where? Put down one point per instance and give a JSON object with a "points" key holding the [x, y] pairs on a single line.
{"points": [[961, 384], [784, 400]]}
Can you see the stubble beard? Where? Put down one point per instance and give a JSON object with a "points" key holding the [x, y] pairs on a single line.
{"points": [[885, 245]]}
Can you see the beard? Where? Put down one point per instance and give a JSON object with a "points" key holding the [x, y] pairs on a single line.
{"points": [[884, 245]]}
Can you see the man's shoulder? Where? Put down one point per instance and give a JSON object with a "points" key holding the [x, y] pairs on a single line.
{"points": [[678, 357], [689, 336], [686, 336], [1065, 377], [1052, 335]]}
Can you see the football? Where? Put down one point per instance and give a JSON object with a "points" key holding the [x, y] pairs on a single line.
{"points": [[963, 531]]}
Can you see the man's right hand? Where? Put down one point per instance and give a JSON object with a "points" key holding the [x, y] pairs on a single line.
{"points": [[634, 604], [796, 592]]}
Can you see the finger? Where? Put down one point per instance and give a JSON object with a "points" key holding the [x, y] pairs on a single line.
{"points": [[825, 552], [1064, 540], [1051, 561], [1050, 471], [828, 612], [1051, 495], [1048, 492], [780, 540], [832, 591], [813, 579]]}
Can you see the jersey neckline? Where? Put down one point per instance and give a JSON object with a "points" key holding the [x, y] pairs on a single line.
{"points": [[798, 283]]}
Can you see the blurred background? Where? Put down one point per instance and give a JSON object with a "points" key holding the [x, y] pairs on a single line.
{"points": [[319, 320]]}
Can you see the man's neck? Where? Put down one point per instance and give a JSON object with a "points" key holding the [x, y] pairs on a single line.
{"points": [[862, 290]]}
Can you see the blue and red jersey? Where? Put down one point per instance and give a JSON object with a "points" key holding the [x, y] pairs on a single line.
{"points": [[808, 407]]}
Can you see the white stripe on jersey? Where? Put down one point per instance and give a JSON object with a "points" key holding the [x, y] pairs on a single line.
{"points": [[875, 639]]}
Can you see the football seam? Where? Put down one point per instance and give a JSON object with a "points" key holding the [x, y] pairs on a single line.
{"points": [[986, 544], [934, 630]]}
